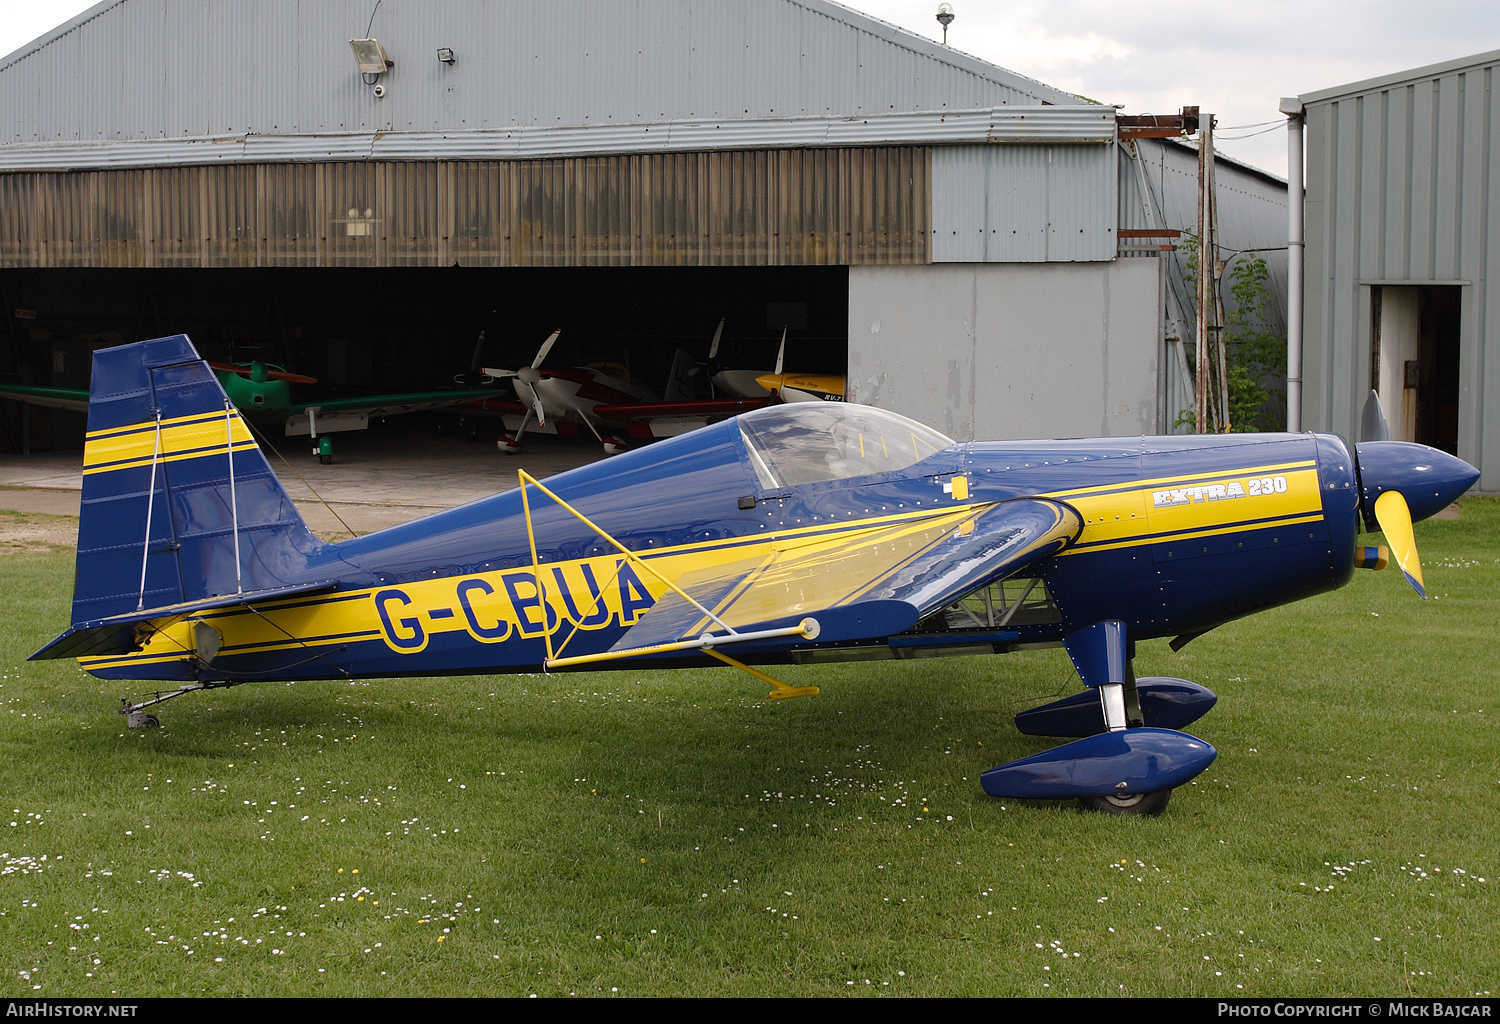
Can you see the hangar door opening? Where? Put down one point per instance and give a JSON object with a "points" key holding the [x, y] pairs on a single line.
{"points": [[400, 329], [1414, 361]]}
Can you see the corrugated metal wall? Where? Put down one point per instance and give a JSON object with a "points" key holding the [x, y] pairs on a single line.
{"points": [[1401, 191], [145, 69], [825, 206], [1024, 203]]}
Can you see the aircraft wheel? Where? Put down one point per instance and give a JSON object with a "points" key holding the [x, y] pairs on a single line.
{"points": [[142, 720], [507, 446], [1147, 805]]}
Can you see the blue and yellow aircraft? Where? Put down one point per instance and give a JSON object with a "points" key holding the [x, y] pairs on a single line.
{"points": [[793, 534]]}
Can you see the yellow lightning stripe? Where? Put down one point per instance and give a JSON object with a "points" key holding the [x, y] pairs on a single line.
{"points": [[184, 437], [1209, 532], [1130, 518], [352, 616], [1158, 482]]}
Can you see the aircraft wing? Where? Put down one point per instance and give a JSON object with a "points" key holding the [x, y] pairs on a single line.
{"points": [[328, 415], [865, 583], [395, 404], [72, 399], [77, 400], [668, 419]]}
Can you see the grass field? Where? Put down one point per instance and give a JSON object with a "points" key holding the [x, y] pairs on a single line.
{"points": [[673, 834]]}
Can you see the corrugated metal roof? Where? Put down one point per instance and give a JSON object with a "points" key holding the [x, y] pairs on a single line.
{"points": [[1034, 125], [136, 70], [1438, 70]]}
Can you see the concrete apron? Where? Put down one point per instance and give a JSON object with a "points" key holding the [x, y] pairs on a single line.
{"points": [[378, 479]]}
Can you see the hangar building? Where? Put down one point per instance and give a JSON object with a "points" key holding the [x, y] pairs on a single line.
{"points": [[1402, 229], [971, 247]]}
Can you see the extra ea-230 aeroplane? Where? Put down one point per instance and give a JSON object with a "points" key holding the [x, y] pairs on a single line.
{"points": [[793, 534]]}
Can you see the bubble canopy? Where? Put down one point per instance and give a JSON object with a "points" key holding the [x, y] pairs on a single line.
{"points": [[808, 442]]}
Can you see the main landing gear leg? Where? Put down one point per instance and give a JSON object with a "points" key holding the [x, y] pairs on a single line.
{"points": [[511, 445], [1130, 768]]}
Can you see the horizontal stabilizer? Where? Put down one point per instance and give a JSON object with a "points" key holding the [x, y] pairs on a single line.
{"points": [[117, 634]]}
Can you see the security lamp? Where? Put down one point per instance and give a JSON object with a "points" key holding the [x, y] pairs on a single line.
{"points": [[945, 18], [445, 55], [370, 56]]}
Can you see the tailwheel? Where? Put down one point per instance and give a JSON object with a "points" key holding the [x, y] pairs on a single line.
{"points": [[1147, 805]]}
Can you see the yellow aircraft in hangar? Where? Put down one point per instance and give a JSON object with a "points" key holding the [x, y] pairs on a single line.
{"points": [[795, 534], [801, 387]]}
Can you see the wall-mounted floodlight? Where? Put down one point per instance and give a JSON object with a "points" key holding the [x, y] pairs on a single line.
{"points": [[445, 55], [370, 56], [945, 18]]}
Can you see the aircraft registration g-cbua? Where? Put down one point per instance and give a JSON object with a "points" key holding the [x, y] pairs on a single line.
{"points": [[793, 534]]}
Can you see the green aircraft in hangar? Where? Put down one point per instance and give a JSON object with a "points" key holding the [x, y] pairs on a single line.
{"points": [[262, 392]]}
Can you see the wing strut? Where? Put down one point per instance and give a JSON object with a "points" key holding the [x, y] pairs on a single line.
{"points": [[808, 628]]}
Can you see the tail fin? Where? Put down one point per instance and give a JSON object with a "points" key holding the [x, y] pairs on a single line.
{"points": [[165, 445], [679, 387]]}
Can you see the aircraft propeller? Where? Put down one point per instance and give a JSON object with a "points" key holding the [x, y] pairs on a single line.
{"points": [[530, 375], [714, 366], [476, 374], [261, 372], [1401, 482]]}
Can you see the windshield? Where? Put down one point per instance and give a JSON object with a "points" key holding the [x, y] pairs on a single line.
{"points": [[806, 442]]}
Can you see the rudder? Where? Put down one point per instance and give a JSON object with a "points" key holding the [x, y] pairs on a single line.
{"points": [[164, 441]]}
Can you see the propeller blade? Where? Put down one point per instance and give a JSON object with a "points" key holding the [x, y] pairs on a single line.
{"points": [[536, 404], [271, 372], [1372, 422], [1395, 522], [713, 350], [474, 363], [536, 364], [780, 352]]}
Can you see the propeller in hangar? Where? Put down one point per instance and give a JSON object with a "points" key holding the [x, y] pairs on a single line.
{"points": [[529, 375], [260, 372], [1400, 482]]}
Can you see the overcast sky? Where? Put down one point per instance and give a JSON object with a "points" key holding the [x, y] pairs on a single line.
{"points": [[1150, 56], [1235, 60]]}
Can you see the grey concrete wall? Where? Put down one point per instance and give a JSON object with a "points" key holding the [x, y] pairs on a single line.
{"points": [[996, 351]]}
